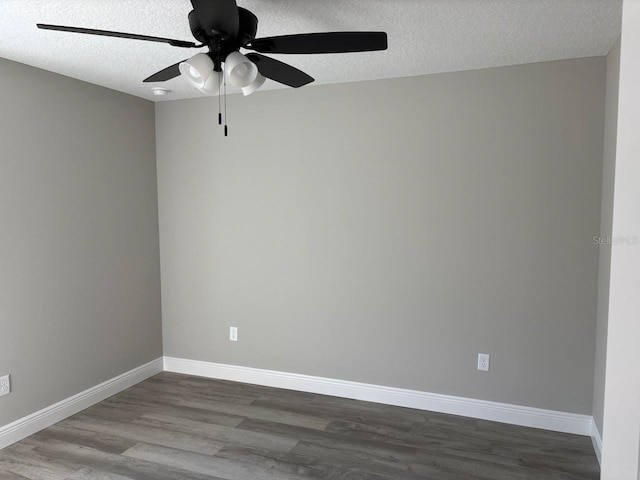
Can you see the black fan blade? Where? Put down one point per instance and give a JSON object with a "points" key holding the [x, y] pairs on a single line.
{"points": [[166, 74], [279, 71], [218, 17], [333, 42], [108, 33]]}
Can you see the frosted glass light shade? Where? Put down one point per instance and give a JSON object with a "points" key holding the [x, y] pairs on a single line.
{"points": [[197, 70], [212, 85], [241, 72], [257, 83]]}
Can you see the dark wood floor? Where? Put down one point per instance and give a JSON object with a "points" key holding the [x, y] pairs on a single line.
{"points": [[174, 427]]}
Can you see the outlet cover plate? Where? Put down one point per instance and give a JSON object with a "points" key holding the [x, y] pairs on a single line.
{"points": [[5, 385], [233, 334], [483, 362]]}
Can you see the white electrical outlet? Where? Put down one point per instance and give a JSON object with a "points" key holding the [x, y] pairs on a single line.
{"points": [[5, 385], [233, 334], [483, 362]]}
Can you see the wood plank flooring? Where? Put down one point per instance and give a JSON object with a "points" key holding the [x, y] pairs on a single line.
{"points": [[177, 427]]}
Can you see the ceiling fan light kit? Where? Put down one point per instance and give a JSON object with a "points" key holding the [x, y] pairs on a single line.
{"points": [[199, 72], [224, 28]]}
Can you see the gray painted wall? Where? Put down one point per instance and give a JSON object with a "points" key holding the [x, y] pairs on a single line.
{"points": [[388, 231], [606, 222], [79, 259]]}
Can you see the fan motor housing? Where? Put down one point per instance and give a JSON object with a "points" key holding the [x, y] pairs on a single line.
{"points": [[247, 30], [196, 29], [248, 26]]}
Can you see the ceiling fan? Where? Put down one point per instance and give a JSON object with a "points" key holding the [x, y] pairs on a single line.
{"points": [[224, 28]]}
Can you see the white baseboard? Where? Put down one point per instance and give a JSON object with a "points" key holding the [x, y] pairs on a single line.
{"points": [[596, 439], [481, 409], [467, 407], [46, 417]]}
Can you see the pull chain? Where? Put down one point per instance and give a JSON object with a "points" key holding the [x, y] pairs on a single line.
{"points": [[219, 95], [226, 131]]}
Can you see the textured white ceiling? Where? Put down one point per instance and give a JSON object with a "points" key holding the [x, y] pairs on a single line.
{"points": [[425, 36]]}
